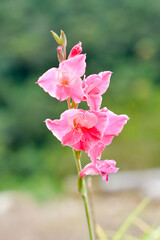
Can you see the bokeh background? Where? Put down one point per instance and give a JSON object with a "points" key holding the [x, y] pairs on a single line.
{"points": [[122, 36]]}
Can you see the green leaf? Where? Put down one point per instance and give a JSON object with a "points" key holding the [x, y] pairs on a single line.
{"points": [[100, 233], [123, 228], [155, 235]]}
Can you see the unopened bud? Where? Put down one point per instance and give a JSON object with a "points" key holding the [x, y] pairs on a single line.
{"points": [[76, 50], [59, 49], [63, 39], [56, 37], [60, 54]]}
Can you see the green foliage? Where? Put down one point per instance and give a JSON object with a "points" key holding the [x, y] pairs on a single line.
{"points": [[122, 230], [121, 36], [148, 233]]}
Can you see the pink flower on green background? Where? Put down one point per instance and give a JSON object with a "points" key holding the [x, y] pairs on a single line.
{"points": [[114, 126], [104, 168], [65, 81], [94, 86], [79, 129]]}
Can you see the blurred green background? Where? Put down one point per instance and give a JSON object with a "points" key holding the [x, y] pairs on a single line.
{"points": [[122, 36]]}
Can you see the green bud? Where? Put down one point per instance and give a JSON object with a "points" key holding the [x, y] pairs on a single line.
{"points": [[63, 39], [56, 37]]}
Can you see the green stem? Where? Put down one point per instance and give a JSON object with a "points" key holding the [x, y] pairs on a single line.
{"points": [[64, 51], [83, 191]]}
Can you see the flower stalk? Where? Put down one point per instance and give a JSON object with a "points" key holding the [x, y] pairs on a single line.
{"points": [[83, 192]]}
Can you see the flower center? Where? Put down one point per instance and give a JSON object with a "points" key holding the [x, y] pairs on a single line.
{"points": [[76, 125], [63, 78]]}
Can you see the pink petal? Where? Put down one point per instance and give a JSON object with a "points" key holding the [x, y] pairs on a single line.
{"points": [[115, 126], [62, 92], [94, 102], [107, 166], [76, 65], [90, 137], [105, 177], [72, 115], [96, 151], [58, 127], [89, 120], [86, 119], [102, 120], [48, 81], [76, 90], [104, 168], [89, 169], [90, 84], [94, 86], [71, 137], [78, 146], [107, 139], [105, 80]]}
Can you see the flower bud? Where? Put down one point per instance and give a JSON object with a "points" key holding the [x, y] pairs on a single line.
{"points": [[56, 37], [76, 50], [60, 54], [63, 39]]}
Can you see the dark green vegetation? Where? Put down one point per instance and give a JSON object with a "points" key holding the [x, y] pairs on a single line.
{"points": [[122, 36]]}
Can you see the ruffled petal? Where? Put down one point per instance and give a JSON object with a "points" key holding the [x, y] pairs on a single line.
{"points": [[71, 138], [116, 123], [102, 120], [90, 84], [105, 80], [89, 169], [94, 86], [58, 127], [104, 168], [90, 137], [89, 120]]}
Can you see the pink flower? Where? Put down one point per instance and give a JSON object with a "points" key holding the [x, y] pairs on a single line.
{"points": [[103, 168], [114, 127], [79, 129], [76, 50], [65, 81], [94, 86]]}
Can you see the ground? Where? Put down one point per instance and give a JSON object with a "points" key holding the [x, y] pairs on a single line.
{"points": [[63, 218]]}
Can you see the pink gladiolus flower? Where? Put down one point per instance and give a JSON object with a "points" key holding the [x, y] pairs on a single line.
{"points": [[103, 168], [79, 129], [65, 81], [76, 50], [94, 86], [113, 128]]}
